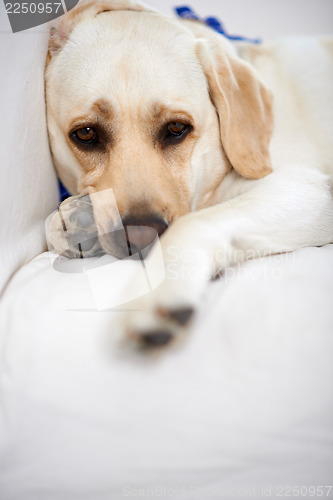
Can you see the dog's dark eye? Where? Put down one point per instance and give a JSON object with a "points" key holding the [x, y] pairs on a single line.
{"points": [[85, 135], [174, 133], [177, 129]]}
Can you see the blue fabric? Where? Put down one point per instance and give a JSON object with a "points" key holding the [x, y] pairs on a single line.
{"points": [[187, 13], [63, 191]]}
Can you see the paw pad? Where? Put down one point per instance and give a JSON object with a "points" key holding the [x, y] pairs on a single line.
{"points": [[156, 338], [181, 316]]}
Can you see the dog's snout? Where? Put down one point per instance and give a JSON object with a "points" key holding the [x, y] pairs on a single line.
{"points": [[138, 223], [142, 232], [138, 234]]}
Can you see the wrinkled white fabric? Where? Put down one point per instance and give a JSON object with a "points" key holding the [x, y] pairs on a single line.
{"points": [[28, 185]]}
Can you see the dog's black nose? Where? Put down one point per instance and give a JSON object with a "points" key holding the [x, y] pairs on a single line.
{"points": [[137, 234], [139, 230]]}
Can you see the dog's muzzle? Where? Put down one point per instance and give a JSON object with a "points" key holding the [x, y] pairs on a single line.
{"points": [[137, 236], [132, 236]]}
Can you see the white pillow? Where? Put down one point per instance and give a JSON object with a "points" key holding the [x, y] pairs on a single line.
{"points": [[28, 187]]}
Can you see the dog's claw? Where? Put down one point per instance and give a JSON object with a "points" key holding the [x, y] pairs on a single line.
{"points": [[181, 315], [155, 338], [163, 325]]}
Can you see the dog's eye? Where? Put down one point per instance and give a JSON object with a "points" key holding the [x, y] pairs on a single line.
{"points": [[85, 135], [177, 129], [174, 133]]}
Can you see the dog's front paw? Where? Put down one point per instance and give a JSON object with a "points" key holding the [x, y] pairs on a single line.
{"points": [[155, 325], [167, 312], [163, 316]]}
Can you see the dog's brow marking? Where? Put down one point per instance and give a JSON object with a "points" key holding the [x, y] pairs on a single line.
{"points": [[160, 110], [102, 107]]}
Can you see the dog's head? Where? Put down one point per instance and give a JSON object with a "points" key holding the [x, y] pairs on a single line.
{"points": [[155, 109]]}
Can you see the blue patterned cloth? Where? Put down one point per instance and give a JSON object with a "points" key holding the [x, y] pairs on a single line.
{"points": [[214, 23]]}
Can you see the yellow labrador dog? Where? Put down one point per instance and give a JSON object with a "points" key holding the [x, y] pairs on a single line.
{"points": [[229, 145]]}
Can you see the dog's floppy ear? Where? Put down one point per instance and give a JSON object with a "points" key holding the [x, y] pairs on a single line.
{"points": [[242, 101], [86, 9]]}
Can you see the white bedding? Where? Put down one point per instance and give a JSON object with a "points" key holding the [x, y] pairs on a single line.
{"points": [[28, 184], [244, 404]]}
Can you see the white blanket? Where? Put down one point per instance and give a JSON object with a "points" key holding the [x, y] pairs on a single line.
{"points": [[244, 404]]}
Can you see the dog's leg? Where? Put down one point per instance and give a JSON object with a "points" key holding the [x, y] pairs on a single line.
{"points": [[280, 213]]}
